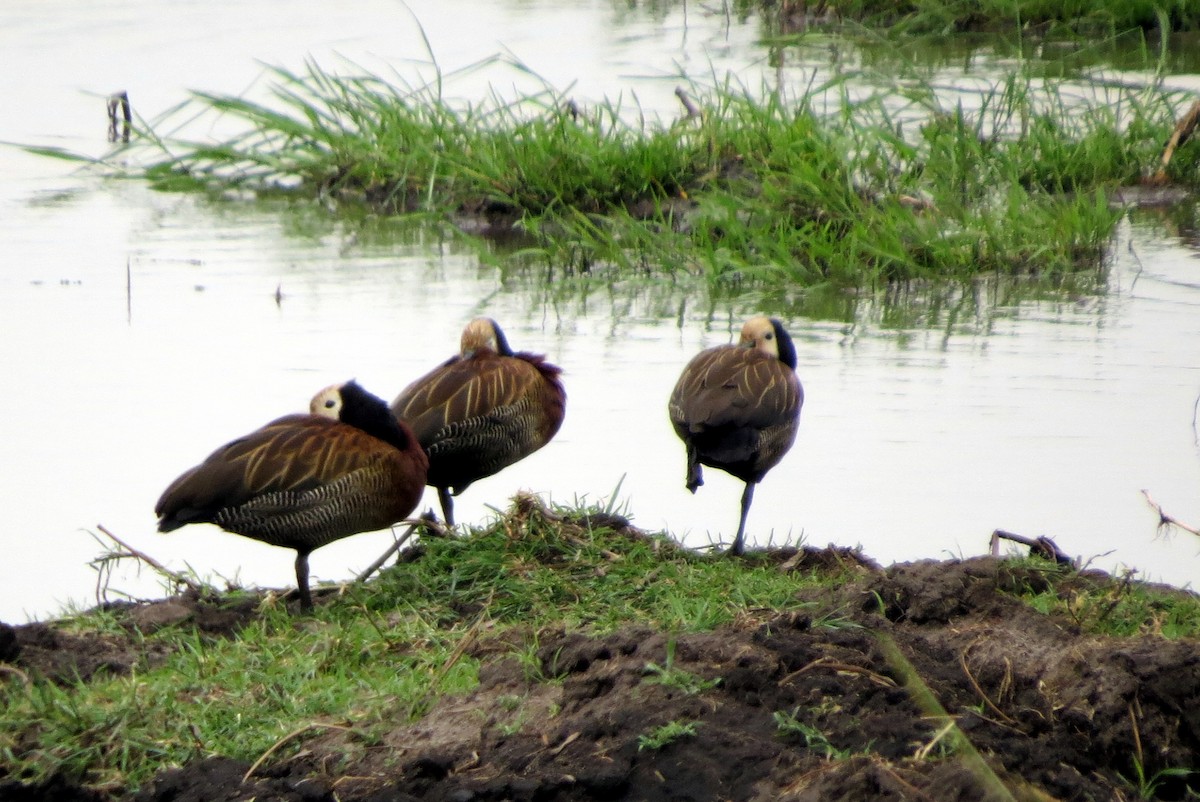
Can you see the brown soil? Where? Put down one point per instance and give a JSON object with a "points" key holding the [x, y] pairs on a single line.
{"points": [[1056, 714]]}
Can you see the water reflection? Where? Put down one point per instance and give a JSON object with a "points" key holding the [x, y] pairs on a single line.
{"points": [[1180, 221], [143, 329]]}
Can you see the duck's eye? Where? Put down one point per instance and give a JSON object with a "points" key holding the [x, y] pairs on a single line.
{"points": [[770, 335], [330, 403]]}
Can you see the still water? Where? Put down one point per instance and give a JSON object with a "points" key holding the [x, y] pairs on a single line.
{"points": [[141, 330]]}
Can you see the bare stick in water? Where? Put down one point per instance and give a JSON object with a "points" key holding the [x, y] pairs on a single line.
{"points": [[119, 100], [692, 110], [1039, 545]]}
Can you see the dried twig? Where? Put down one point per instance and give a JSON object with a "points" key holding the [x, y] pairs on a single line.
{"points": [[130, 551], [468, 638], [18, 673], [314, 726], [1165, 520], [424, 520], [1137, 736], [924, 751], [1042, 546], [456, 655], [1183, 130], [962, 661], [833, 665], [197, 741], [570, 739], [907, 788]]}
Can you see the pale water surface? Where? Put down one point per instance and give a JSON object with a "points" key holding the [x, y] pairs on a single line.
{"points": [[140, 330]]}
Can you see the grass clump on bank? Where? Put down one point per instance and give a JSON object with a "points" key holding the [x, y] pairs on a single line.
{"points": [[752, 189], [1114, 609], [570, 607], [376, 655]]}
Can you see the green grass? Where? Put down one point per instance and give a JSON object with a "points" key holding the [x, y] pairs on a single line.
{"points": [[580, 578], [1146, 787], [385, 652], [1057, 16], [667, 734], [230, 696], [671, 676], [376, 655], [759, 191], [1113, 609], [790, 726]]}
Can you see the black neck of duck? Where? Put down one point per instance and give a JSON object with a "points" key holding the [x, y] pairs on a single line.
{"points": [[372, 414], [783, 341], [502, 346]]}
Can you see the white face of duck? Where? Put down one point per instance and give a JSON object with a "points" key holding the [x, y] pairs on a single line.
{"points": [[759, 333], [328, 402]]}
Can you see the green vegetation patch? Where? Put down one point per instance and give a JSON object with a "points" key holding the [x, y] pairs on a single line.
{"points": [[233, 696], [537, 568], [749, 188], [1075, 16], [551, 625], [375, 655], [667, 734], [1098, 605]]}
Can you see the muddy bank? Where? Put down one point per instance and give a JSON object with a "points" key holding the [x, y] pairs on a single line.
{"points": [[799, 706]]}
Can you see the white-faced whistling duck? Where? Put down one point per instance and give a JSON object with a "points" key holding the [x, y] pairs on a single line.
{"points": [[736, 407], [482, 410], [303, 481]]}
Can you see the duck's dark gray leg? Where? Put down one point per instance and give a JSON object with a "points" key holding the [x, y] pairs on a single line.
{"points": [[306, 603], [739, 542], [447, 505]]}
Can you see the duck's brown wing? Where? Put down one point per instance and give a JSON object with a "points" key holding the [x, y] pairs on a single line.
{"points": [[475, 416], [736, 409], [734, 386], [294, 454]]}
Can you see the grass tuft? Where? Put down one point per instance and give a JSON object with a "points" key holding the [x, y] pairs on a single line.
{"points": [[374, 655], [759, 189], [667, 734], [1114, 609]]}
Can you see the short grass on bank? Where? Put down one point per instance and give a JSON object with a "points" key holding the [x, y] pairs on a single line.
{"points": [[377, 654], [753, 188], [1120, 608], [385, 652]]}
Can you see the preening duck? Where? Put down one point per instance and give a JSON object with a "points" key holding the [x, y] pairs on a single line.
{"points": [[303, 481], [482, 410]]}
